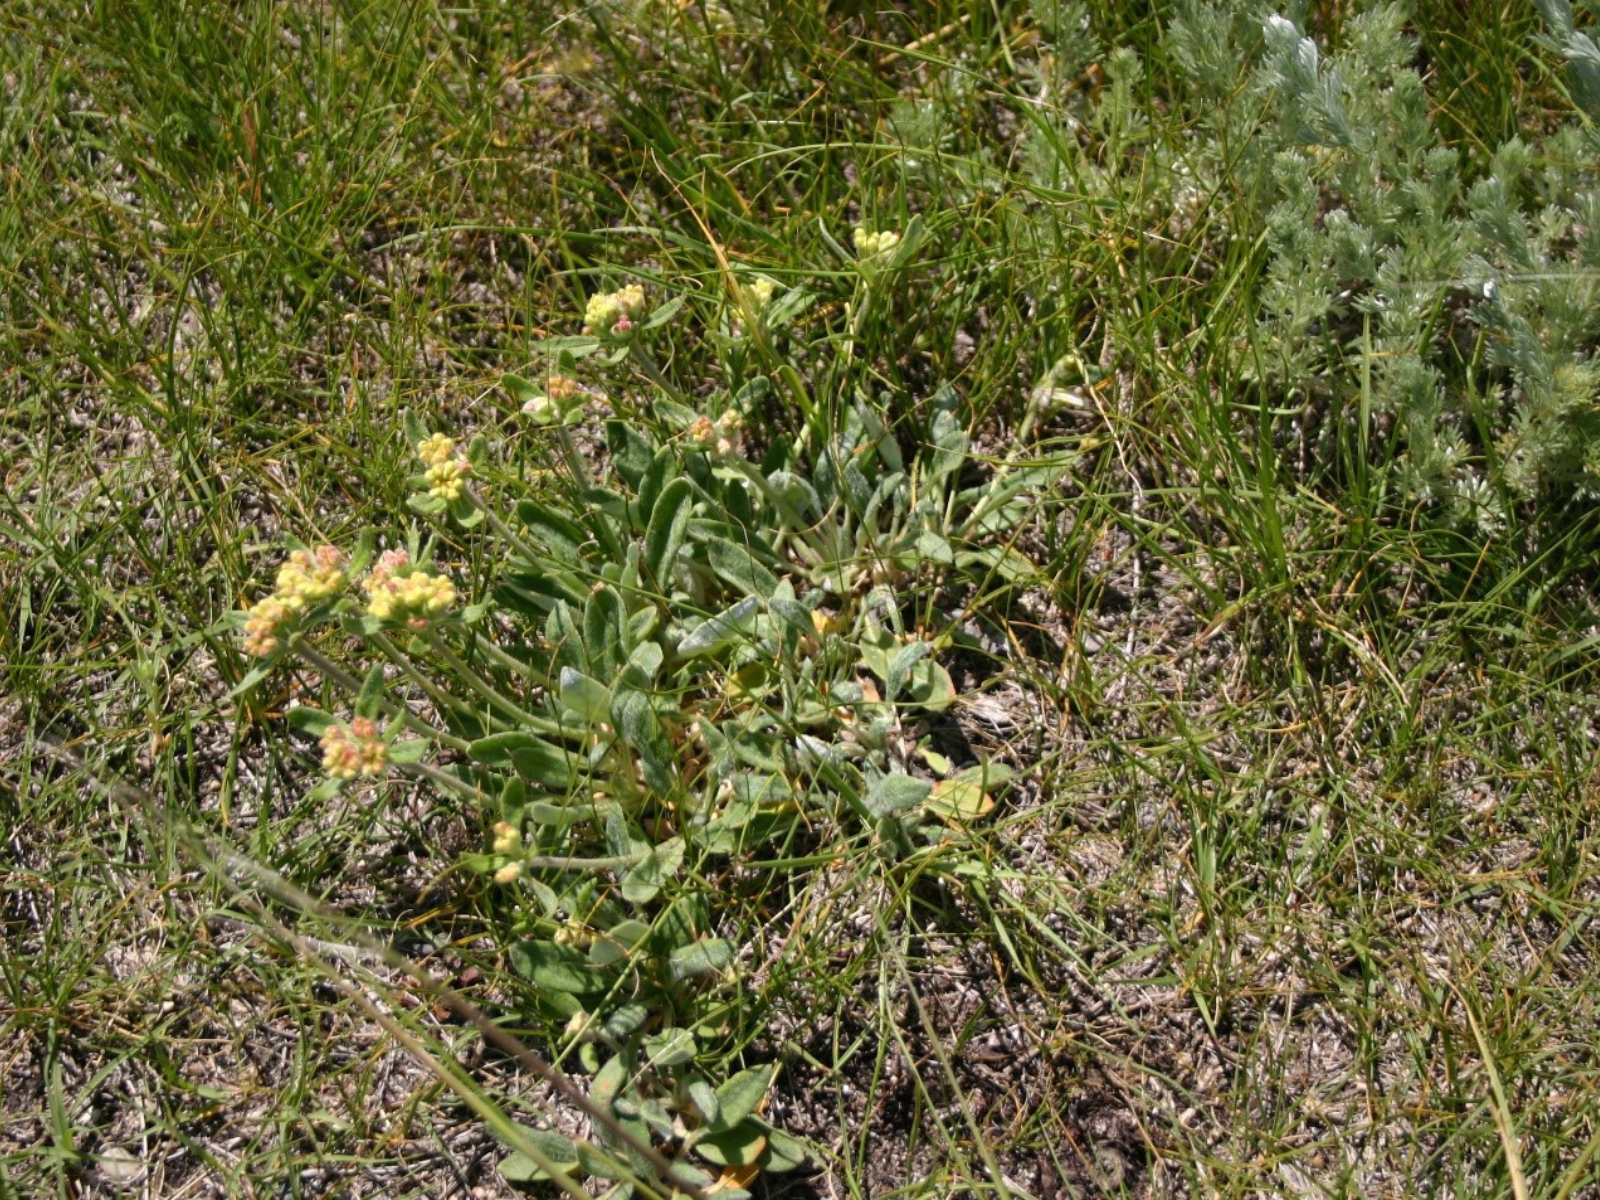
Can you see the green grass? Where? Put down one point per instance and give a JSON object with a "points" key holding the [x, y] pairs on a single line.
{"points": [[1292, 892]]}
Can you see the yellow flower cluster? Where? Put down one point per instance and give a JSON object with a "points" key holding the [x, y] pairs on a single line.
{"points": [[870, 244], [410, 597], [436, 449], [354, 750], [760, 293], [561, 387], [447, 471], [304, 581], [414, 597], [613, 312]]}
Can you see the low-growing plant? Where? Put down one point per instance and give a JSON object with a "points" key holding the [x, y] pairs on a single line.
{"points": [[679, 658], [1406, 282]]}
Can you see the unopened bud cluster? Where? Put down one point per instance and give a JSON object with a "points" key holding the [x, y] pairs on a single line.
{"points": [[717, 437], [506, 838], [560, 391], [304, 581], [613, 312], [871, 245], [397, 592], [759, 293], [447, 470], [354, 750], [507, 842]]}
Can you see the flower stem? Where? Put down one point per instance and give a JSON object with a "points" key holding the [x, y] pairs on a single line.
{"points": [[615, 862], [441, 698], [641, 359], [500, 527], [509, 661], [575, 463], [441, 779], [331, 670], [478, 684]]}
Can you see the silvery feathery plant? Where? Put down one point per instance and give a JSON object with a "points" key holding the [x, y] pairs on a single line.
{"points": [[1426, 311], [1453, 299], [682, 655]]}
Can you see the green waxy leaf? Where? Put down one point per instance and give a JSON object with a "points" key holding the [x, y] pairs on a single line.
{"points": [[558, 968], [555, 816], [894, 793], [563, 537], [427, 505], [640, 885], [797, 497], [670, 1047], [741, 1146], [663, 313], [620, 941], [723, 630], [588, 699], [784, 1153], [740, 1096], [669, 525], [651, 485], [930, 685], [609, 1081], [534, 758], [314, 721], [700, 958], [935, 548], [605, 636], [639, 727], [370, 698], [964, 797], [519, 389], [496, 749], [705, 1099], [559, 1152], [409, 751], [740, 569], [901, 664], [627, 1020], [252, 677], [631, 453]]}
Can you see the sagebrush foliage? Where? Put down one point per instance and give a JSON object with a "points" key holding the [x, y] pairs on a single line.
{"points": [[1442, 301]]}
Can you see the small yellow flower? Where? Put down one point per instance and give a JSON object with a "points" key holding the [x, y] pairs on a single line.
{"points": [[447, 479], [509, 873], [703, 433], [267, 618], [760, 293], [447, 470]]}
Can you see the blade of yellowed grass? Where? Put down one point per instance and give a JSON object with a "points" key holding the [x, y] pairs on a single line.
{"points": [[1575, 1173], [1504, 1119]]}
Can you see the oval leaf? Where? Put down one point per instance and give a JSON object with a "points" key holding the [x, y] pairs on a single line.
{"points": [[739, 1097], [669, 525], [558, 1152]]}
